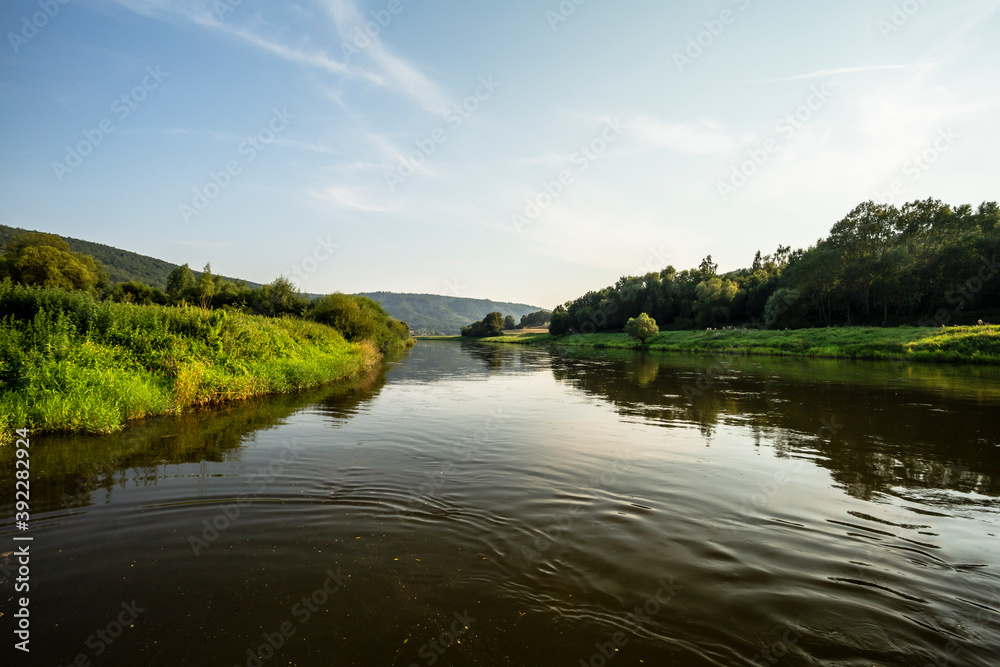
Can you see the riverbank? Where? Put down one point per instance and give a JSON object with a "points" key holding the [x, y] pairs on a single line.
{"points": [[68, 363], [976, 344]]}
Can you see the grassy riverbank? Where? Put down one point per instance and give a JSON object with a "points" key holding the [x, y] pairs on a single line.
{"points": [[70, 363], [977, 344]]}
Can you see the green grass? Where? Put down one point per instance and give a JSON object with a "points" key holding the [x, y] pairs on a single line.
{"points": [[67, 363], [976, 344]]}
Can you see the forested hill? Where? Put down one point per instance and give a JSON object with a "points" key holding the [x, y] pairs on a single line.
{"points": [[436, 314], [425, 313], [122, 265]]}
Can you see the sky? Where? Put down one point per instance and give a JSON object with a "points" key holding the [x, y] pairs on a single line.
{"points": [[527, 151]]}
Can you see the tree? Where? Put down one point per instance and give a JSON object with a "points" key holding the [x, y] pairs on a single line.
{"points": [[493, 324], [205, 287], [46, 260], [138, 293], [179, 280], [281, 297], [642, 327], [561, 322], [509, 323]]}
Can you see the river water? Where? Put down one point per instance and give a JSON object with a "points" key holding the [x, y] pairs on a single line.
{"points": [[503, 505]]}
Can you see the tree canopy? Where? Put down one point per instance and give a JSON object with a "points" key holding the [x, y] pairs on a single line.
{"points": [[926, 263]]}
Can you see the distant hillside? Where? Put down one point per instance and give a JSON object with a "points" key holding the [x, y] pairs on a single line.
{"points": [[121, 265], [425, 313], [435, 314]]}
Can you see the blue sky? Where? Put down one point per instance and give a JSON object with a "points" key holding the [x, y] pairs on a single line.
{"points": [[525, 151]]}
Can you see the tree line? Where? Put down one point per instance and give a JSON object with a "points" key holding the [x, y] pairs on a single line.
{"points": [[925, 264], [495, 323], [45, 260]]}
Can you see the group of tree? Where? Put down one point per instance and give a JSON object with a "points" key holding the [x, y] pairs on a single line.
{"points": [[925, 263], [538, 318], [493, 324], [45, 260]]}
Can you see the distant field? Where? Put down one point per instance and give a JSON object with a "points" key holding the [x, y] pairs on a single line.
{"points": [[975, 344]]}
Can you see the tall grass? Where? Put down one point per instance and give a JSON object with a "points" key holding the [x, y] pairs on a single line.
{"points": [[70, 363]]}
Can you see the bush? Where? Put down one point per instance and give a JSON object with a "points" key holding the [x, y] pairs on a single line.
{"points": [[642, 327], [359, 318]]}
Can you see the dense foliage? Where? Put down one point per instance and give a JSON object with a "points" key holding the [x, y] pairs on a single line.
{"points": [[122, 266], [539, 318], [68, 361], [45, 260], [491, 325], [642, 327], [924, 264]]}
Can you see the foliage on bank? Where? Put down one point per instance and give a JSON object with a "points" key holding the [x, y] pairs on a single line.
{"points": [[972, 344], [70, 362], [924, 264]]}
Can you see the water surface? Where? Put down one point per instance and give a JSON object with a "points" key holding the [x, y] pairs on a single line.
{"points": [[494, 505]]}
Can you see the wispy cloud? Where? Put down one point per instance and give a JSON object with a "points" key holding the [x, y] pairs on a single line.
{"points": [[391, 72], [833, 71], [355, 198], [701, 138]]}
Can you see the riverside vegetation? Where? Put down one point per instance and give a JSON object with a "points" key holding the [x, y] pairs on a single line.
{"points": [[70, 360], [911, 283]]}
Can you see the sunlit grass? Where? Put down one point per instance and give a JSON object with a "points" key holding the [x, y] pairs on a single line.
{"points": [[69, 364]]}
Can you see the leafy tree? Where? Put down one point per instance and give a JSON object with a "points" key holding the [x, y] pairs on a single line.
{"points": [[491, 325], [509, 323], [538, 318], [179, 281], [561, 322], [138, 293], [45, 260], [280, 297], [205, 287], [642, 327], [360, 318]]}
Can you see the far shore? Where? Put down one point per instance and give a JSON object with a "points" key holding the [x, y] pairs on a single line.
{"points": [[960, 344]]}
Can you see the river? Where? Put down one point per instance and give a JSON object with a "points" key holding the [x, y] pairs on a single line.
{"points": [[505, 505]]}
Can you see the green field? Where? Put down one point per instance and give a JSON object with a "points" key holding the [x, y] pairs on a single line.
{"points": [[70, 363], [975, 344]]}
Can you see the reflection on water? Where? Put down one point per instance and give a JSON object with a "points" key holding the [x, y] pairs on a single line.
{"points": [[488, 505]]}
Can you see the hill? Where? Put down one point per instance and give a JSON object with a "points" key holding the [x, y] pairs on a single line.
{"points": [[436, 314], [425, 313], [122, 265]]}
